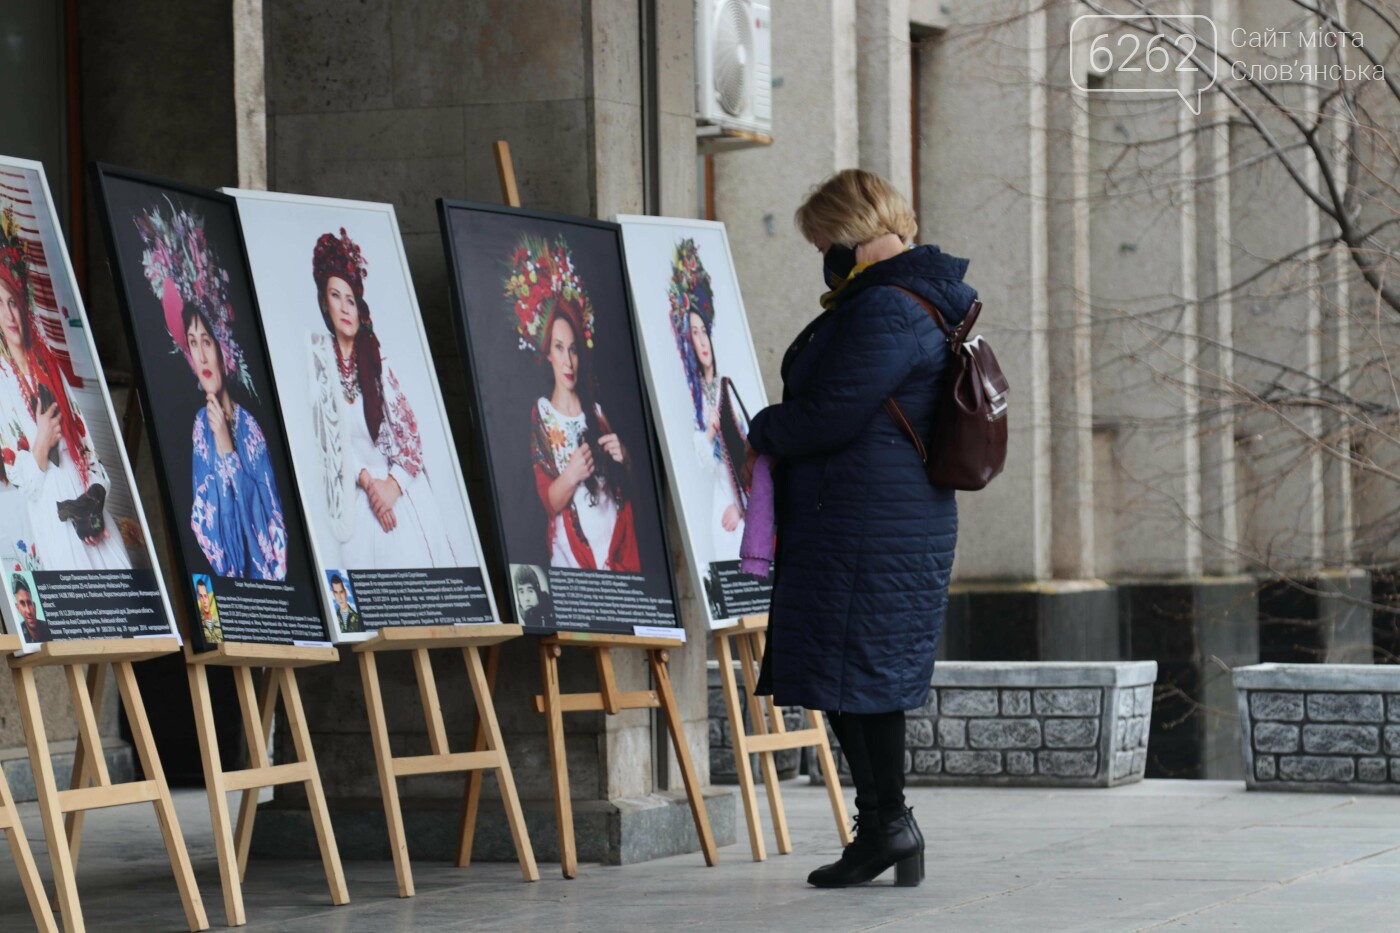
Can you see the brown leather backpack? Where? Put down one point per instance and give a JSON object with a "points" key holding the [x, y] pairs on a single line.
{"points": [[968, 447]]}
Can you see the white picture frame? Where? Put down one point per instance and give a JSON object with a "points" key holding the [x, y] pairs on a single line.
{"points": [[650, 247], [60, 267], [256, 210]]}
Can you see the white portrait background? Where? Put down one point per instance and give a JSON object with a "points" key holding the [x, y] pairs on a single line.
{"points": [[280, 232], [650, 245], [24, 189]]}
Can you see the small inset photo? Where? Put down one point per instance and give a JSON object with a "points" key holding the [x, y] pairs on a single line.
{"points": [[207, 608], [534, 605], [347, 616], [24, 596]]}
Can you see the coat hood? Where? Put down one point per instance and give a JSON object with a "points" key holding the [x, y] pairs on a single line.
{"points": [[927, 271]]}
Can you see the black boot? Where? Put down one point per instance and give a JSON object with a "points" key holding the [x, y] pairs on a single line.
{"points": [[910, 872], [862, 848], [878, 845]]}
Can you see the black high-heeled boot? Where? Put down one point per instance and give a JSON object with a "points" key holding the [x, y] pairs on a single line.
{"points": [[910, 872], [879, 844], [863, 847]]}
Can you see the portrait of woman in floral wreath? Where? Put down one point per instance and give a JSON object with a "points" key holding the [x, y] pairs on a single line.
{"points": [[236, 514], [720, 424], [45, 451], [378, 495], [582, 467]]}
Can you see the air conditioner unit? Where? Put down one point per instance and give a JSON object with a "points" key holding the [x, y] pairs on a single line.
{"points": [[734, 69]]}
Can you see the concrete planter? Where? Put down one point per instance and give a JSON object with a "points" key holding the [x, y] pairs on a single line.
{"points": [[722, 768], [1331, 728], [1045, 723]]}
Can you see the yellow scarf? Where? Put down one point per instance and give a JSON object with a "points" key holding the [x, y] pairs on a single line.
{"points": [[830, 298]]}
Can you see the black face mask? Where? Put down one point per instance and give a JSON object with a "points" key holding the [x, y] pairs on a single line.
{"points": [[837, 264]]}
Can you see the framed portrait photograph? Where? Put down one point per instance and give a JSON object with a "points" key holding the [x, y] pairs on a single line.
{"points": [[545, 327], [74, 545], [391, 527], [210, 405], [704, 380]]}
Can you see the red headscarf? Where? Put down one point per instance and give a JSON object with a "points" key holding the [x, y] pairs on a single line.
{"points": [[14, 272]]}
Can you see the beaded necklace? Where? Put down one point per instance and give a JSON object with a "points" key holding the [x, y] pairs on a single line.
{"points": [[349, 373]]}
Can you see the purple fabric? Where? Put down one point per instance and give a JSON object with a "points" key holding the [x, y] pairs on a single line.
{"points": [[756, 550]]}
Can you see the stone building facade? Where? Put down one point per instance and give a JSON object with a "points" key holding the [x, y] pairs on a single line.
{"points": [[1137, 510]]}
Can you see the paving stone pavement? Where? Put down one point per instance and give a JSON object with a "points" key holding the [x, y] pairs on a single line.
{"points": [[1158, 855]]}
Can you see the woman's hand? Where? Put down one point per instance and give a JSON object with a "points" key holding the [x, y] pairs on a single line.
{"points": [[730, 520], [712, 428], [218, 424], [562, 488], [613, 447], [580, 466], [383, 496], [45, 436]]}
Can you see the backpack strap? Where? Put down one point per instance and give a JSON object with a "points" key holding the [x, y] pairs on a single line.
{"points": [[957, 336], [898, 417]]}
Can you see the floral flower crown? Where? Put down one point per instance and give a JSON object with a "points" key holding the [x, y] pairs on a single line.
{"points": [[690, 290], [541, 276], [14, 256], [182, 268], [341, 257]]}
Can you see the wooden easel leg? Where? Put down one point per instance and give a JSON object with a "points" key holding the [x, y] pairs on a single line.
{"points": [[165, 807], [738, 737], [472, 801], [218, 800], [760, 708], [83, 763], [47, 791], [384, 759], [257, 723], [24, 861], [662, 677], [315, 793], [486, 715], [558, 760], [833, 780]]}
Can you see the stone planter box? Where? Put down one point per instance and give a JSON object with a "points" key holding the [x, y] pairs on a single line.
{"points": [[722, 768], [1037, 723], [1332, 728]]}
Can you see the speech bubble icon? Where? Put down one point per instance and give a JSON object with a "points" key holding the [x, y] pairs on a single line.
{"points": [[1145, 53]]}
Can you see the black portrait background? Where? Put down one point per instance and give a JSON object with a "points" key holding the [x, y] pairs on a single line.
{"points": [[171, 399], [507, 382]]}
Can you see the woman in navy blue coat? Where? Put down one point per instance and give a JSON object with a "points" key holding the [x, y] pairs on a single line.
{"points": [[865, 543]]}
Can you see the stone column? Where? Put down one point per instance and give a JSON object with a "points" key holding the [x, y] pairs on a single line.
{"points": [[882, 77]]}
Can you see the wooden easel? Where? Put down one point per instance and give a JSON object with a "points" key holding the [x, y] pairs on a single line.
{"points": [[279, 664], [19, 843], [90, 761], [488, 748], [256, 713], [770, 735], [612, 701], [609, 699]]}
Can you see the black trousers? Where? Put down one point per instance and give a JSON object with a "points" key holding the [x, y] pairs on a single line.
{"points": [[873, 744]]}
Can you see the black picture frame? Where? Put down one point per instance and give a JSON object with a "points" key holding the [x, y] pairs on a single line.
{"points": [[478, 430], [305, 597]]}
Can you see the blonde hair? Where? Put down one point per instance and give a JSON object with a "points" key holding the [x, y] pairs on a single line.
{"points": [[853, 207]]}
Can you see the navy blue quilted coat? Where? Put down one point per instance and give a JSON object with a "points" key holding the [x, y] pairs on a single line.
{"points": [[865, 543]]}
